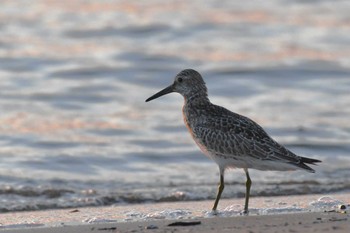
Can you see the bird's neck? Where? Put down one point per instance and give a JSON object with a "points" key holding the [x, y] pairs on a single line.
{"points": [[197, 99], [193, 110]]}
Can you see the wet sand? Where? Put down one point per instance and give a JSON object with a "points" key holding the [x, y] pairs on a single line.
{"points": [[304, 222], [269, 214]]}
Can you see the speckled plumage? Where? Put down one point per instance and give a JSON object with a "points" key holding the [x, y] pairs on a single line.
{"points": [[230, 139], [236, 139]]}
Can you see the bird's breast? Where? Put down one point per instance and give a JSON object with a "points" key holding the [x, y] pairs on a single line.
{"points": [[191, 119]]}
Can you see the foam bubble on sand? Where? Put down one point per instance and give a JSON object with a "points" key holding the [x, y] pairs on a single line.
{"points": [[325, 203], [133, 215], [282, 210], [236, 210], [163, 214], [169, 214], [281, 205], [99, 220], [229, 211]]}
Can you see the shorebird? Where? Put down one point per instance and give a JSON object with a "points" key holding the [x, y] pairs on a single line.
{"points": [[229, 139]]}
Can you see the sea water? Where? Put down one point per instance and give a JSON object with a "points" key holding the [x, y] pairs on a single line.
{"points": [[74, 75]]}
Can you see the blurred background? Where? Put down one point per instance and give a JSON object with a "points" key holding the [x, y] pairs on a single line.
{"points": [[74, 75]]}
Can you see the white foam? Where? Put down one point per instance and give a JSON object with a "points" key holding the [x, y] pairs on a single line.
{"points": [[99, 220], [169, 214], [282, 210], [325, 203]]}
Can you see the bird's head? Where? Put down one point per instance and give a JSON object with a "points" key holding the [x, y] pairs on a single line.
{"points": [[188, 83]]}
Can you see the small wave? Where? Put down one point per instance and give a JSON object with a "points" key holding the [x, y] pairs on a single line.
{"points": [[37, 198], [29, 192]]}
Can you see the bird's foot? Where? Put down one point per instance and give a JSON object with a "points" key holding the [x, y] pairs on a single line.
{"points": [[244, 213], [214, 212]]}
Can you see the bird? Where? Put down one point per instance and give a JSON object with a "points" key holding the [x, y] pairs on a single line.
{"points": [[231, 140]]}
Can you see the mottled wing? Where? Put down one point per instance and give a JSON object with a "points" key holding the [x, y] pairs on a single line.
{"points": [[229, 134]]}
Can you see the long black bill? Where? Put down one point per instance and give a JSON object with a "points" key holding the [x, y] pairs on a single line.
{"points": [[165, 91]]}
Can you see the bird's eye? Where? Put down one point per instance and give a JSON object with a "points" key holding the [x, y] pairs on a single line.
{"points": [[180, 80]]}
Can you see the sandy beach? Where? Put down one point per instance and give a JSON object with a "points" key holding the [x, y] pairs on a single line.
{"points": [[308, 213], [305, 222]]}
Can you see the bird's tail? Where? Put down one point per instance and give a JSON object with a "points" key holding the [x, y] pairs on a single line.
{"points": [[304, 161]]}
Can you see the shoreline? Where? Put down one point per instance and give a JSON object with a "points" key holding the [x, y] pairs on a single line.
{"points": [[269, 213], [302, 222]]}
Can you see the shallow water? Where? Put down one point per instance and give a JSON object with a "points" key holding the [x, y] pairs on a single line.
{"points": [[74, 127]]}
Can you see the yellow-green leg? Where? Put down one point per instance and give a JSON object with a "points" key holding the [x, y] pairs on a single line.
{"points": [[220, 189], [247, 193]]}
